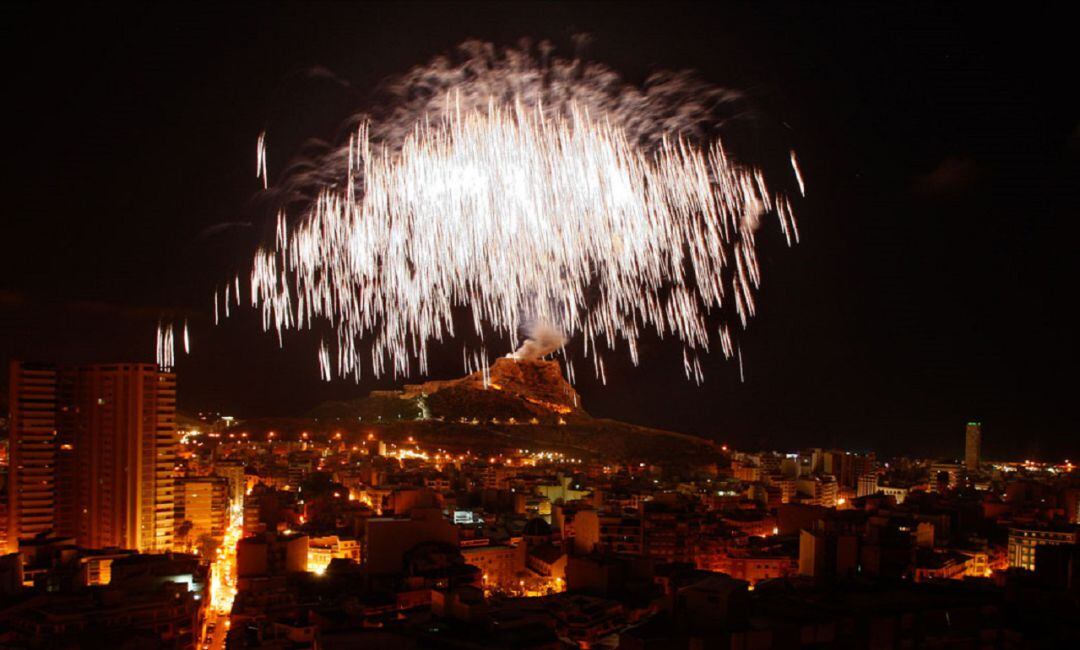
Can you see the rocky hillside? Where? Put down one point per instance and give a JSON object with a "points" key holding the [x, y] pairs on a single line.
{"points": [[518, 390], [520, 403]]}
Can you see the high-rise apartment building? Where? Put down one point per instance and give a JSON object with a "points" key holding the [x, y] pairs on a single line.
{"points": [[32, 451], [94, 454], [972, 446], [125, 442]]}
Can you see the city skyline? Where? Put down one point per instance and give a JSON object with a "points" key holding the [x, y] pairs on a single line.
{"points": [[539, 325], [442, 517]]}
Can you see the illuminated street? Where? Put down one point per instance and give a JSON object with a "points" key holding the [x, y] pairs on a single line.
{"points": [[223, 582]]}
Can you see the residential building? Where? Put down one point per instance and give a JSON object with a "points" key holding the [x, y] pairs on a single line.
{"points": [[1024, 541], [124, 419]]}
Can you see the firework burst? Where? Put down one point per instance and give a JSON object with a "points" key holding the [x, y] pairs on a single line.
{"points": [[525, 189]]}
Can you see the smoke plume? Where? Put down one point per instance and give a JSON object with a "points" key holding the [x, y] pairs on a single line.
{"points": [[542, 340]]}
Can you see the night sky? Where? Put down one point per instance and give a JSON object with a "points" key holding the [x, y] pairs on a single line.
{"points": [[940, 146]]}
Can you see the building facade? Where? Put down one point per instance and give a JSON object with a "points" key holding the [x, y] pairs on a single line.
{"points": [[868, 484], [1023, 542], [234, 472], [204, 502], [32, 451], [125, 444]]}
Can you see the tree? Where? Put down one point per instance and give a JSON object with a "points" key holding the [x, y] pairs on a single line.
{"points": [[208, 546], [183, 536]]}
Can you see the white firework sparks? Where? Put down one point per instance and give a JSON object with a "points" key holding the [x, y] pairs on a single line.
{"points": [[260, 160], [166, 346], [589, 213], [324, 362]]}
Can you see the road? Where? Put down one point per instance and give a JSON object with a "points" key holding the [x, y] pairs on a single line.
{"points": [[223, 583], [218, 627]]}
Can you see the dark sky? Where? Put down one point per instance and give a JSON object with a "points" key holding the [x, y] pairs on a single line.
{"points": [[941, 148]]}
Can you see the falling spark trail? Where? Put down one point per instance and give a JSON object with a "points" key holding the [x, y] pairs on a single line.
{"points": [[187, 338], [324, 362], [798, 174], [260, 160]]}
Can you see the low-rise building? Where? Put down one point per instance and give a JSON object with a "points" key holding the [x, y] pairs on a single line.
{"points": [[1024, 541], [321, 550]]}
